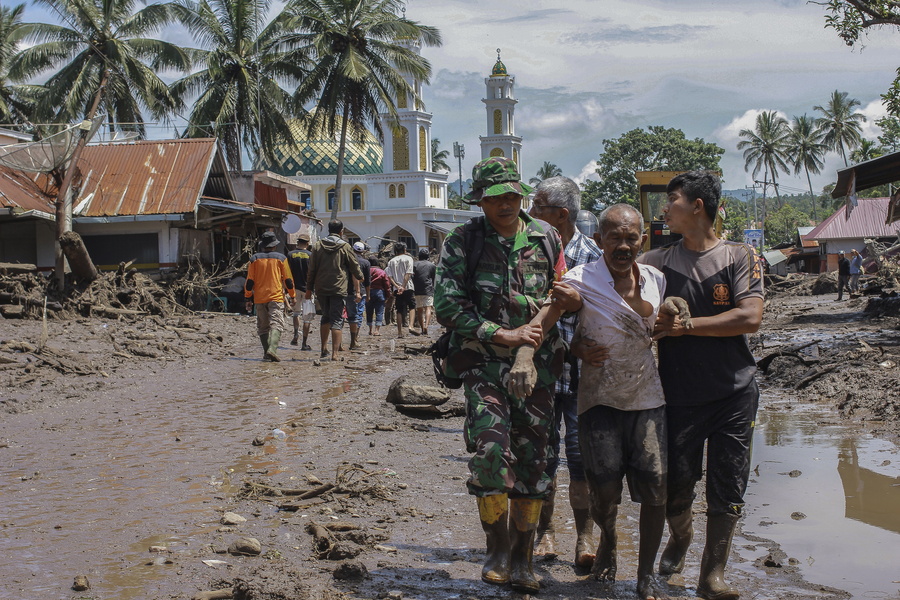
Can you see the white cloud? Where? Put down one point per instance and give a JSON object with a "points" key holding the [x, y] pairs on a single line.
{"points": [[588, 171]]}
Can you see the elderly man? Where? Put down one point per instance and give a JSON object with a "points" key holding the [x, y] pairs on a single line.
{"points": [[557, 201], [708, 375], [490, 306]]}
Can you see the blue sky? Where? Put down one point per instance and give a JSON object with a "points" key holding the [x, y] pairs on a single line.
{"points": [[589, 70]]}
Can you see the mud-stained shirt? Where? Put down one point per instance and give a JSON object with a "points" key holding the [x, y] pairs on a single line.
{"points": [[628, 380], [695, 369], [511, 281]]}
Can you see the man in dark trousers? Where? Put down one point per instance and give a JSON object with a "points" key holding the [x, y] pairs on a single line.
{"points": [[708, 375], [423, 284], [298, 259], [843, 276]]}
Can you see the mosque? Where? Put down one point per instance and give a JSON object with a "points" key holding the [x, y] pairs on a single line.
{"points": [[389, 193]]}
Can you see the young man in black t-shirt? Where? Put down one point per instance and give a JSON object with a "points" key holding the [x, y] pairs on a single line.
{"points": [[298, 260], [707, 374], [423, 284]]}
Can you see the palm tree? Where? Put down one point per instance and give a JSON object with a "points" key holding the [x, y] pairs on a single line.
{"points": [[438, 157], [839, 124], [107, 54], [237, 89], [361, 49], [546, 171], [16, 101], [764, 148], [806, 150], [867, 150]]}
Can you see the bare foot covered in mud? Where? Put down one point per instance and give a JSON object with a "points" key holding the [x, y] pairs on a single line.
{"points": [[604, 568], [584, 558], [649, 589], [545, 549]]}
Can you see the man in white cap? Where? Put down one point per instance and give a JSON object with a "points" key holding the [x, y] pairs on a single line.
{"points": [[355, 317]]}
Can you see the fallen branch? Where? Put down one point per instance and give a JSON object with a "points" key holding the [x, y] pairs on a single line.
{"points": [[817, 372]]}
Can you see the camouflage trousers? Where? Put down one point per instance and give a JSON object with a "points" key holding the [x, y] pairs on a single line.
{"points": [[509, 436]]}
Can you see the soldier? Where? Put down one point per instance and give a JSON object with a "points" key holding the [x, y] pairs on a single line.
{"points": [[490, 312]]}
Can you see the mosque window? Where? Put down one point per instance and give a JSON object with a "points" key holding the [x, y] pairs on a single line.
{"points": [[401, 191], [306, 200], [409, 241], [423, 150], [357, 198], [496, 152], [401, 149], [516, 158], [498, 121], [330, 199], [392, 191], [401, 100]]}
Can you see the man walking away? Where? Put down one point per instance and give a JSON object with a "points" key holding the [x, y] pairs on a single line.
{"points": [[355, 317], [400, 270], [333, 263], [843, 276], [298, 260], [379, 290], [423, 286], [268, 276]]}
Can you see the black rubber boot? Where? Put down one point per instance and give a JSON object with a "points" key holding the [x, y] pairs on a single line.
{"points": [[272, 347], [264, 340], [523, 519], [719, 531], [494, 513], [681, 531]]}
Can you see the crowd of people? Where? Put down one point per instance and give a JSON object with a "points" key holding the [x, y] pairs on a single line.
{"points": [[551, 328], [340, 283]]}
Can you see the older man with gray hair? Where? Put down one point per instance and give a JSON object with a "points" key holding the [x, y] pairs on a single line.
{"points": [[557, 201]]}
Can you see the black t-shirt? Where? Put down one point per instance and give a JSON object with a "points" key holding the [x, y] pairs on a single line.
{"points": [[697, 369], [366, 267], [423, 277], [843, 266], [298, 261]]}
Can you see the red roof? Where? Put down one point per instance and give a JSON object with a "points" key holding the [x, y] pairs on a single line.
{"points": [[19, 191], [865, 221]]}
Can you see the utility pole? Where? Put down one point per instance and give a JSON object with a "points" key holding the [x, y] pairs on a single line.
{"points": [[459, 151]]}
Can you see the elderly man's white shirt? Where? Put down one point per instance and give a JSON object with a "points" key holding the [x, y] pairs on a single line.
{"points": [[628, 379]]}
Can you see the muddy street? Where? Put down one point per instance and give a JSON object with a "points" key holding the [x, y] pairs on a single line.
{"points": [[123, 474]]}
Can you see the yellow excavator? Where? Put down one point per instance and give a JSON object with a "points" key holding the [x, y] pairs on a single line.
{"points": [[652, 186]]}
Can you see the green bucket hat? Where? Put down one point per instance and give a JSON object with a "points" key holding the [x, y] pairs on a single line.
{"points": [[493, 177]]}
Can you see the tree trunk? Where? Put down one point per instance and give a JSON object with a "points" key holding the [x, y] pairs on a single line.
{"points": [[814, 199], [79, 260], [340, 168]]}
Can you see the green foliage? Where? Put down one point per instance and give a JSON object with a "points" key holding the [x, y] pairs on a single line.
{"points": [[782, 224], [655, 149], [840, 124], [765, 146], [737, 218], [806, 150], [546, 171], [454, 200], [890, 133], [16, 101], [590, 193], [439, 157]]}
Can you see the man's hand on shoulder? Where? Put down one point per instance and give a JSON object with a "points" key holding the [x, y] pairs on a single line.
{"points": [[564, 297]]}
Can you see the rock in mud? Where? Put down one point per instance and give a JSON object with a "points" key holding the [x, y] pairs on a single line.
{"points": [[247, 546], [231, 518], [410, 391], [81, 583], [352, 570]]}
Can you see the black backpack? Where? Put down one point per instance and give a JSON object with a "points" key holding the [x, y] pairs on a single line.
{"points": [[474, 232]]}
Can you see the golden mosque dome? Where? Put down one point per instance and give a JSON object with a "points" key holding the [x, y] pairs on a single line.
{"points": [[319, 156], [499, 69]]}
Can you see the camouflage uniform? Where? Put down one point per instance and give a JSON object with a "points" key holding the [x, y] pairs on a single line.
{"points": [[508, 435]]}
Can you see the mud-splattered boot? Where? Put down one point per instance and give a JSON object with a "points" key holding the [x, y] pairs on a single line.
{"points": [[719, 531], [523, 520], [264, 340], [545, 545], [272, 348], [681, 531], [494, 513], [580, 499]]}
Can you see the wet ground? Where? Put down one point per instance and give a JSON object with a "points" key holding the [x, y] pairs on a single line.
{"points": [[147, 452]]}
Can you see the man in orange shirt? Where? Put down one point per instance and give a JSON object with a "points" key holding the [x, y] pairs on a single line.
{"points": [[268, 276]]}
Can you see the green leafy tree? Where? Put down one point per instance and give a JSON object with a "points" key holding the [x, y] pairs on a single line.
{"points": [[455, 201], [765, 148], [105, 50], [439, 157], [654, 149], [590, 194], [782, 224], [736, 219], [890, 133], [851, 18], [16, 100], [360, 50], [866, 150], [840, 125], [806, 151], [546, 171]]}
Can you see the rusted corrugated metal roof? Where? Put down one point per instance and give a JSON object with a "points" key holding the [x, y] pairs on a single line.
{"points": [[19, 191], [865, 221], [146, 177]]}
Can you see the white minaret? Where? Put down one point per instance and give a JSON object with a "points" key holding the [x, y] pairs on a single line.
{"points": [[409, 149], [500, 105]]}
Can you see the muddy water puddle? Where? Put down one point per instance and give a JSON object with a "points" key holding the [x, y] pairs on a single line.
{"points": [[830, 497]]}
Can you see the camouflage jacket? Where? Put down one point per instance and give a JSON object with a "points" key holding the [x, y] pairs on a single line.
{"points": [[511, 282]]}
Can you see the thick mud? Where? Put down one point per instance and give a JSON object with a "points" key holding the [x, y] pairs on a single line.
{"points": [[122, 445]]}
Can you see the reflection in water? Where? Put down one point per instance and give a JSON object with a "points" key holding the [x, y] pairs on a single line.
{"points": [[871, 497]]}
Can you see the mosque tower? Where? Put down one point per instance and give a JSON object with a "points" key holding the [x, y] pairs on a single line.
{"points": [[500, 105]]}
